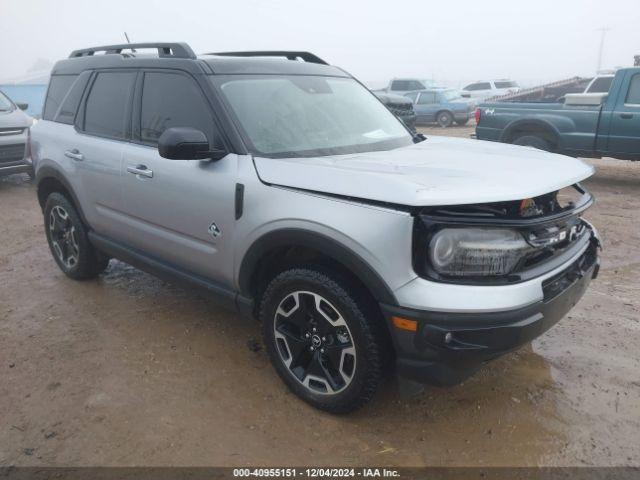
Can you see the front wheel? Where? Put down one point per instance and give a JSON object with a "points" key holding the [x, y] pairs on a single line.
{"points": [[462, 122], [323, 345]]}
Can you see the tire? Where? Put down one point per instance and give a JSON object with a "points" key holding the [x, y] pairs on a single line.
{"points": [[533, 141], [462, 122], [324, 346], [68, 241], [444, 119], [31, 174]]}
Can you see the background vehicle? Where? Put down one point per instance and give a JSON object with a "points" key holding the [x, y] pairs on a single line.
{"points": [[441, 106], [483, 90], [14, 131], [400, 106], [400, 86], [292, 195], [589, 125]]}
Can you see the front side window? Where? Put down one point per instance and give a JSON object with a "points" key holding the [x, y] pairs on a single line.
{"points": [[294, 116], [633, 97], [506, 84], [172, 100], [400, 85], [478, 86], [107, 104], [415, 85]]}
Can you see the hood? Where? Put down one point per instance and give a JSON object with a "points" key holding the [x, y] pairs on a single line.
{"points": [[15, 118], [437, 171]]}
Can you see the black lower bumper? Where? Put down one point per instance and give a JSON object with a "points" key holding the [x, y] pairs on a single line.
{"points": [[449, 347]]}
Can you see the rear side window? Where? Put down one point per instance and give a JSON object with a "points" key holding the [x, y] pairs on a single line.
{"points": [[415, 85], [633, 97], [506, 84], [427, 98], [172, 100], [478, 86], [67, 112], [108, 104], [59, 86], [601, 85], [400, 85]]}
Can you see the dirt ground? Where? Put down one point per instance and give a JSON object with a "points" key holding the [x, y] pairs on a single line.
{"points": [[132, 371]]}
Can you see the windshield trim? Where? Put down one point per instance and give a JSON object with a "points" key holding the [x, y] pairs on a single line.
{"points": [[384, 145]]}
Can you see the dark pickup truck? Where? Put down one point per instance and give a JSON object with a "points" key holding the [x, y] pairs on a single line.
{"points": [[586, 125]]}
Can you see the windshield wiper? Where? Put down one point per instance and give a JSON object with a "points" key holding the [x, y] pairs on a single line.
{"points": [[418, 137]]}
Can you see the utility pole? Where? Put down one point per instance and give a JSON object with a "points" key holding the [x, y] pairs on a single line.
{"points": [[603, 32]]}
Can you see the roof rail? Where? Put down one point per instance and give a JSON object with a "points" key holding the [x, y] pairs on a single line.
{"points": [[165, 49], [306, 56]]}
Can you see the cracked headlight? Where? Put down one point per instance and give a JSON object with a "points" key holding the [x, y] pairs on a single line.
{"points": [[467, 252]]}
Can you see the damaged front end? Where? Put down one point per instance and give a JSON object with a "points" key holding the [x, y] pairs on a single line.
{"points": [[504, 242]]}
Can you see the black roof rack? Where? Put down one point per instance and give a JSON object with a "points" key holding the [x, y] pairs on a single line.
{"points": [[165, 49], [306, 56]]}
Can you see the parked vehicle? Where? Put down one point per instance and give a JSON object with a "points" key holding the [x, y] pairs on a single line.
{"points": [[481, 91], [400, 106], [587, 125], [441, 106], [14, 131], [400, 86], [291, 194]]}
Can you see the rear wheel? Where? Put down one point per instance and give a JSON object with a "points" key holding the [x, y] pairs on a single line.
{"points": [[533, 141], [444, 119], [462, 122], [68, 241], [320, 341]]}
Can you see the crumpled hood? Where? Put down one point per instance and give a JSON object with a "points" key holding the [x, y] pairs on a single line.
{"points": [[437, 171]]}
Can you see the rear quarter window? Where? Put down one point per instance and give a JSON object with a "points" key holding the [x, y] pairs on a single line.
{"points": [[67, 112], [633, 96], [59, 86]]}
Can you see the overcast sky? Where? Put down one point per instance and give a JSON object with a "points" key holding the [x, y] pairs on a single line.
{"points": [[453, 42]]}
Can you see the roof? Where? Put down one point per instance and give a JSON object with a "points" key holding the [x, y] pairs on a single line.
{"points": [[180, 55]]}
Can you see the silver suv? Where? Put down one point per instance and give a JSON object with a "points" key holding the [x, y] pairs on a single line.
{"points": [[287, 190]]}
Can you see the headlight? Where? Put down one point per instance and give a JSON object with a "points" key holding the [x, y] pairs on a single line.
{"points": [[476, 251]]}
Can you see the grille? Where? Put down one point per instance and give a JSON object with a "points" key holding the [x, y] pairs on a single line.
{"points": [[11, 154]]}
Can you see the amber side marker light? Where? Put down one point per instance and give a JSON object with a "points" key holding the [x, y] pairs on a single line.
{"points": [[405, 324]]}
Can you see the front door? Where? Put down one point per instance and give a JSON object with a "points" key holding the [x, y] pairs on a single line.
{"points": [[426, 107], [624, 133], [179, 211]]}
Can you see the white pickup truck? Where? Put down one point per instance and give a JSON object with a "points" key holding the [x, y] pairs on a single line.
{"points": [[400, 86]]}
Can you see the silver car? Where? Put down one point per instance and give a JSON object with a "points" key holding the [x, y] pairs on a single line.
{"points": [[14, 130], [284, 188]]}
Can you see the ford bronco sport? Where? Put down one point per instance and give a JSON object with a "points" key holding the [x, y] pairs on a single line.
{"points": [[282, 186]]}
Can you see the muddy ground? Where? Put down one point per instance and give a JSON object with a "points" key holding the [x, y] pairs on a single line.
{"points": [[129, 370]]}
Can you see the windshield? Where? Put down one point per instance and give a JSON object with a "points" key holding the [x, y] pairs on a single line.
{"points": [[5, 103], [450, 95], [297, 116]]}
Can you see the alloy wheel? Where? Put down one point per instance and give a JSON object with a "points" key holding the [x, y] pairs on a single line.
{"points": [[314, 342], [63, 237]]}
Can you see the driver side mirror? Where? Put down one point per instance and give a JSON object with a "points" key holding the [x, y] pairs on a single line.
{"points": [[22, 106], [186, 143]]}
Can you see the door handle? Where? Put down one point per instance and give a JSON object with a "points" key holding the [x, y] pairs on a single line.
{"points": [[140, 170], [74, 154], [626, 116]]}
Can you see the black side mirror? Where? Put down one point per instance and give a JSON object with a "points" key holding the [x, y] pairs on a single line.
{"points": [[22, 106], [185, 143]]}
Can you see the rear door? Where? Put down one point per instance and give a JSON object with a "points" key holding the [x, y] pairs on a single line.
{"points": [[102, 129], [624, 133], [426, 107], [179, 211]]}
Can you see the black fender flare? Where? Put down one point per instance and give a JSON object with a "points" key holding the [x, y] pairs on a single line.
{"points": [[293, 237], [47, 172], [544, 124]]}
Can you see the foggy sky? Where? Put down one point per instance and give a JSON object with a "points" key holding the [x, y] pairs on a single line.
{"points": [[454, 42]]}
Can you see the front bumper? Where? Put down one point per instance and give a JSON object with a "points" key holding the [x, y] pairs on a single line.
{"points": [[448, 347]]}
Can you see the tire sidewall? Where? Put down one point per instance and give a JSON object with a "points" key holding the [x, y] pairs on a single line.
{"points": [[309, 280], [533, 141], [85, 251], [444, 115]]}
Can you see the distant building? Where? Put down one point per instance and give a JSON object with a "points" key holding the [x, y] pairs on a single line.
{"points": [[30, 89]]}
